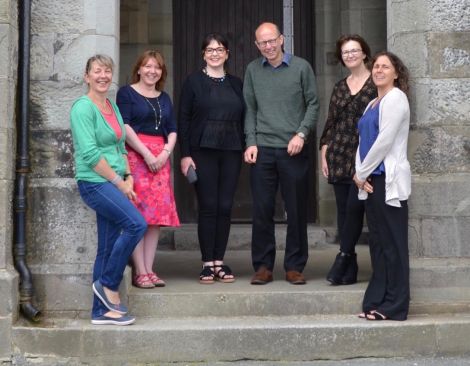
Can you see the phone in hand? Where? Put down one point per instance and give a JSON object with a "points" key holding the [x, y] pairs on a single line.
{"points": [[191, 175]]}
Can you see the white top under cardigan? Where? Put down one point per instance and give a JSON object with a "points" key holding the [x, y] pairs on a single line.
{"points": [[391, 148]]}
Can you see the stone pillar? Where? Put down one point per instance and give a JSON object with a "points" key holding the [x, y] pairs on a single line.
{"points": [[61, 229], [432, 38], [8, 76], [328, 72], [366, 18]]}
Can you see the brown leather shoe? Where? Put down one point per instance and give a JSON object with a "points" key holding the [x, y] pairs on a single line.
{"points": [[262, 276], [295, 278]]}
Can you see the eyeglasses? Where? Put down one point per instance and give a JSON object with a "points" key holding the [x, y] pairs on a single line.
{"points": [[353, 52], [271, 42], [218, 50]]}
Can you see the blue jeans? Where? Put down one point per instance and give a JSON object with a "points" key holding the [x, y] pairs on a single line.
{"points": [[120, 228]]}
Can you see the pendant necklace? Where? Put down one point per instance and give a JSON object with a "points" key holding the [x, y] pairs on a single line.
{"points": [[158, 116]]}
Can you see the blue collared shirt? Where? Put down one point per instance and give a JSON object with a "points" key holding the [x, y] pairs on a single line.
{"points": [[285, 61]]}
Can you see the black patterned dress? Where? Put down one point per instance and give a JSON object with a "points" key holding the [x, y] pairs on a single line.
{"points": [[340, 133]]}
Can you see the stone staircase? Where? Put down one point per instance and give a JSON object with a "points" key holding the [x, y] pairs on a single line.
{"points": [[189, 322]]}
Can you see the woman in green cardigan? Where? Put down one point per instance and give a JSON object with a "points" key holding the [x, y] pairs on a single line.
{"points": [[105, 185]]}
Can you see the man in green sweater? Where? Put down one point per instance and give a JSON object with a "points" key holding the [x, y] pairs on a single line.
{"points": [[282, 108]]}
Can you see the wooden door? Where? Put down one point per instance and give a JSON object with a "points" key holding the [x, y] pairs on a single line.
{"points": [[304, 46], [237, 20]]}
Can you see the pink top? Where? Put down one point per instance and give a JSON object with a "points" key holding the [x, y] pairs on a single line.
{"points": [[112, 120]]}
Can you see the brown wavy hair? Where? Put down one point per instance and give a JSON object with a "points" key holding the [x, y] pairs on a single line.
{"points": [[402, 81], [142, 60], [353, 37]]}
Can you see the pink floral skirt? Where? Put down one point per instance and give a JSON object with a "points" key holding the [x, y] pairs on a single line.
{"points": [[155, 198]]}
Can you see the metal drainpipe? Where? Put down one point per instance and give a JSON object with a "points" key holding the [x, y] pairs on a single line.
{"points": [[22, 163]]}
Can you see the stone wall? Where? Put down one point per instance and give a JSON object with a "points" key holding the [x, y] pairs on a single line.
{"points": [[8, 72], [365, 17], [61, 229], [432, 37]]}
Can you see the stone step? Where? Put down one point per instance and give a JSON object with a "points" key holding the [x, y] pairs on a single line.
{"points": [[184, 296], [185, 237], [69, 294], [275, 338], [289, 302]]}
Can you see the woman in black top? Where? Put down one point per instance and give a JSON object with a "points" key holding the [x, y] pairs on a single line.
{"points": [[338, 145], [211, 138]]}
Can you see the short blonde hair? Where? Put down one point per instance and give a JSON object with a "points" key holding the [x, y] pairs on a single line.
{"points": [[103, 60]]}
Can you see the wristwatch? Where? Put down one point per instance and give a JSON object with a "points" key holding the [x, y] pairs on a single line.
{"points": [[301, 135]]}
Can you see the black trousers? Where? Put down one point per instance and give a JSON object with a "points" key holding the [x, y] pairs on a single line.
{"points": [[218, 172], [389, 289], [350, 216], [273, 168]]}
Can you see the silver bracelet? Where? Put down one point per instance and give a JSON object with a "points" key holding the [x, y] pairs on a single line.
{"points": [[167, 150], [116, 180]]}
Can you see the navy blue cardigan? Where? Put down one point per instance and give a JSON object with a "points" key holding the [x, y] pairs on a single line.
{"points": [[134, 110]]}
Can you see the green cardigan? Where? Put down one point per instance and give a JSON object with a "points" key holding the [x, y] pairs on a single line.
{"points": [[94, 139]]}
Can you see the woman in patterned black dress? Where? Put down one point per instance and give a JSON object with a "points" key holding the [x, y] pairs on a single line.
{"points": [[338, 145]]}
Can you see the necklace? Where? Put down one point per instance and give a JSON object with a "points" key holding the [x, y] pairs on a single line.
{"points": [[217, 80], [158, 116]]}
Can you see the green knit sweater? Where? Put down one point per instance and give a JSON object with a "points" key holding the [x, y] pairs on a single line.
{"points": [[280, 102], [94, 139]]}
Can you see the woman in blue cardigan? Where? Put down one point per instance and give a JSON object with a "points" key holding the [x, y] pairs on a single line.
{"points": [[148, 114]]}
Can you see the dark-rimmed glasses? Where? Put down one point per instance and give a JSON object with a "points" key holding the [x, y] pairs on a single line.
{"points": [[218, 50], [271, 42]]}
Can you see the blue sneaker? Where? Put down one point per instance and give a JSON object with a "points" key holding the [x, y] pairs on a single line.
{"points": [[99, 291], [106, 320]]}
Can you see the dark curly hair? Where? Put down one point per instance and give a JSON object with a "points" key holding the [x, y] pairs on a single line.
{"points": [[402, 71], [352, 37]]}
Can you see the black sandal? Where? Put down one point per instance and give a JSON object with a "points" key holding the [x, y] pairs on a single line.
{"points": [[375, 315], [207, 275], [223, 274]]}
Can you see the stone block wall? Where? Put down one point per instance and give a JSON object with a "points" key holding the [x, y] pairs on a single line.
{"points": [[8, 77], [432, 37], [365, 17], [61, 229]]}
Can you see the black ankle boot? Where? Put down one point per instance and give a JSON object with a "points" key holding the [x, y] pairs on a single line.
{"points": [[338, 269], [350, 274]]}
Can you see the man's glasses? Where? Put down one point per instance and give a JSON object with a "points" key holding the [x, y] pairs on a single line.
{"points": [[218, 50], [271, 42]]}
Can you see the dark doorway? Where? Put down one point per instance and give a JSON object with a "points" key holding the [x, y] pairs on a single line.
{"points": [[237, 19]]}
